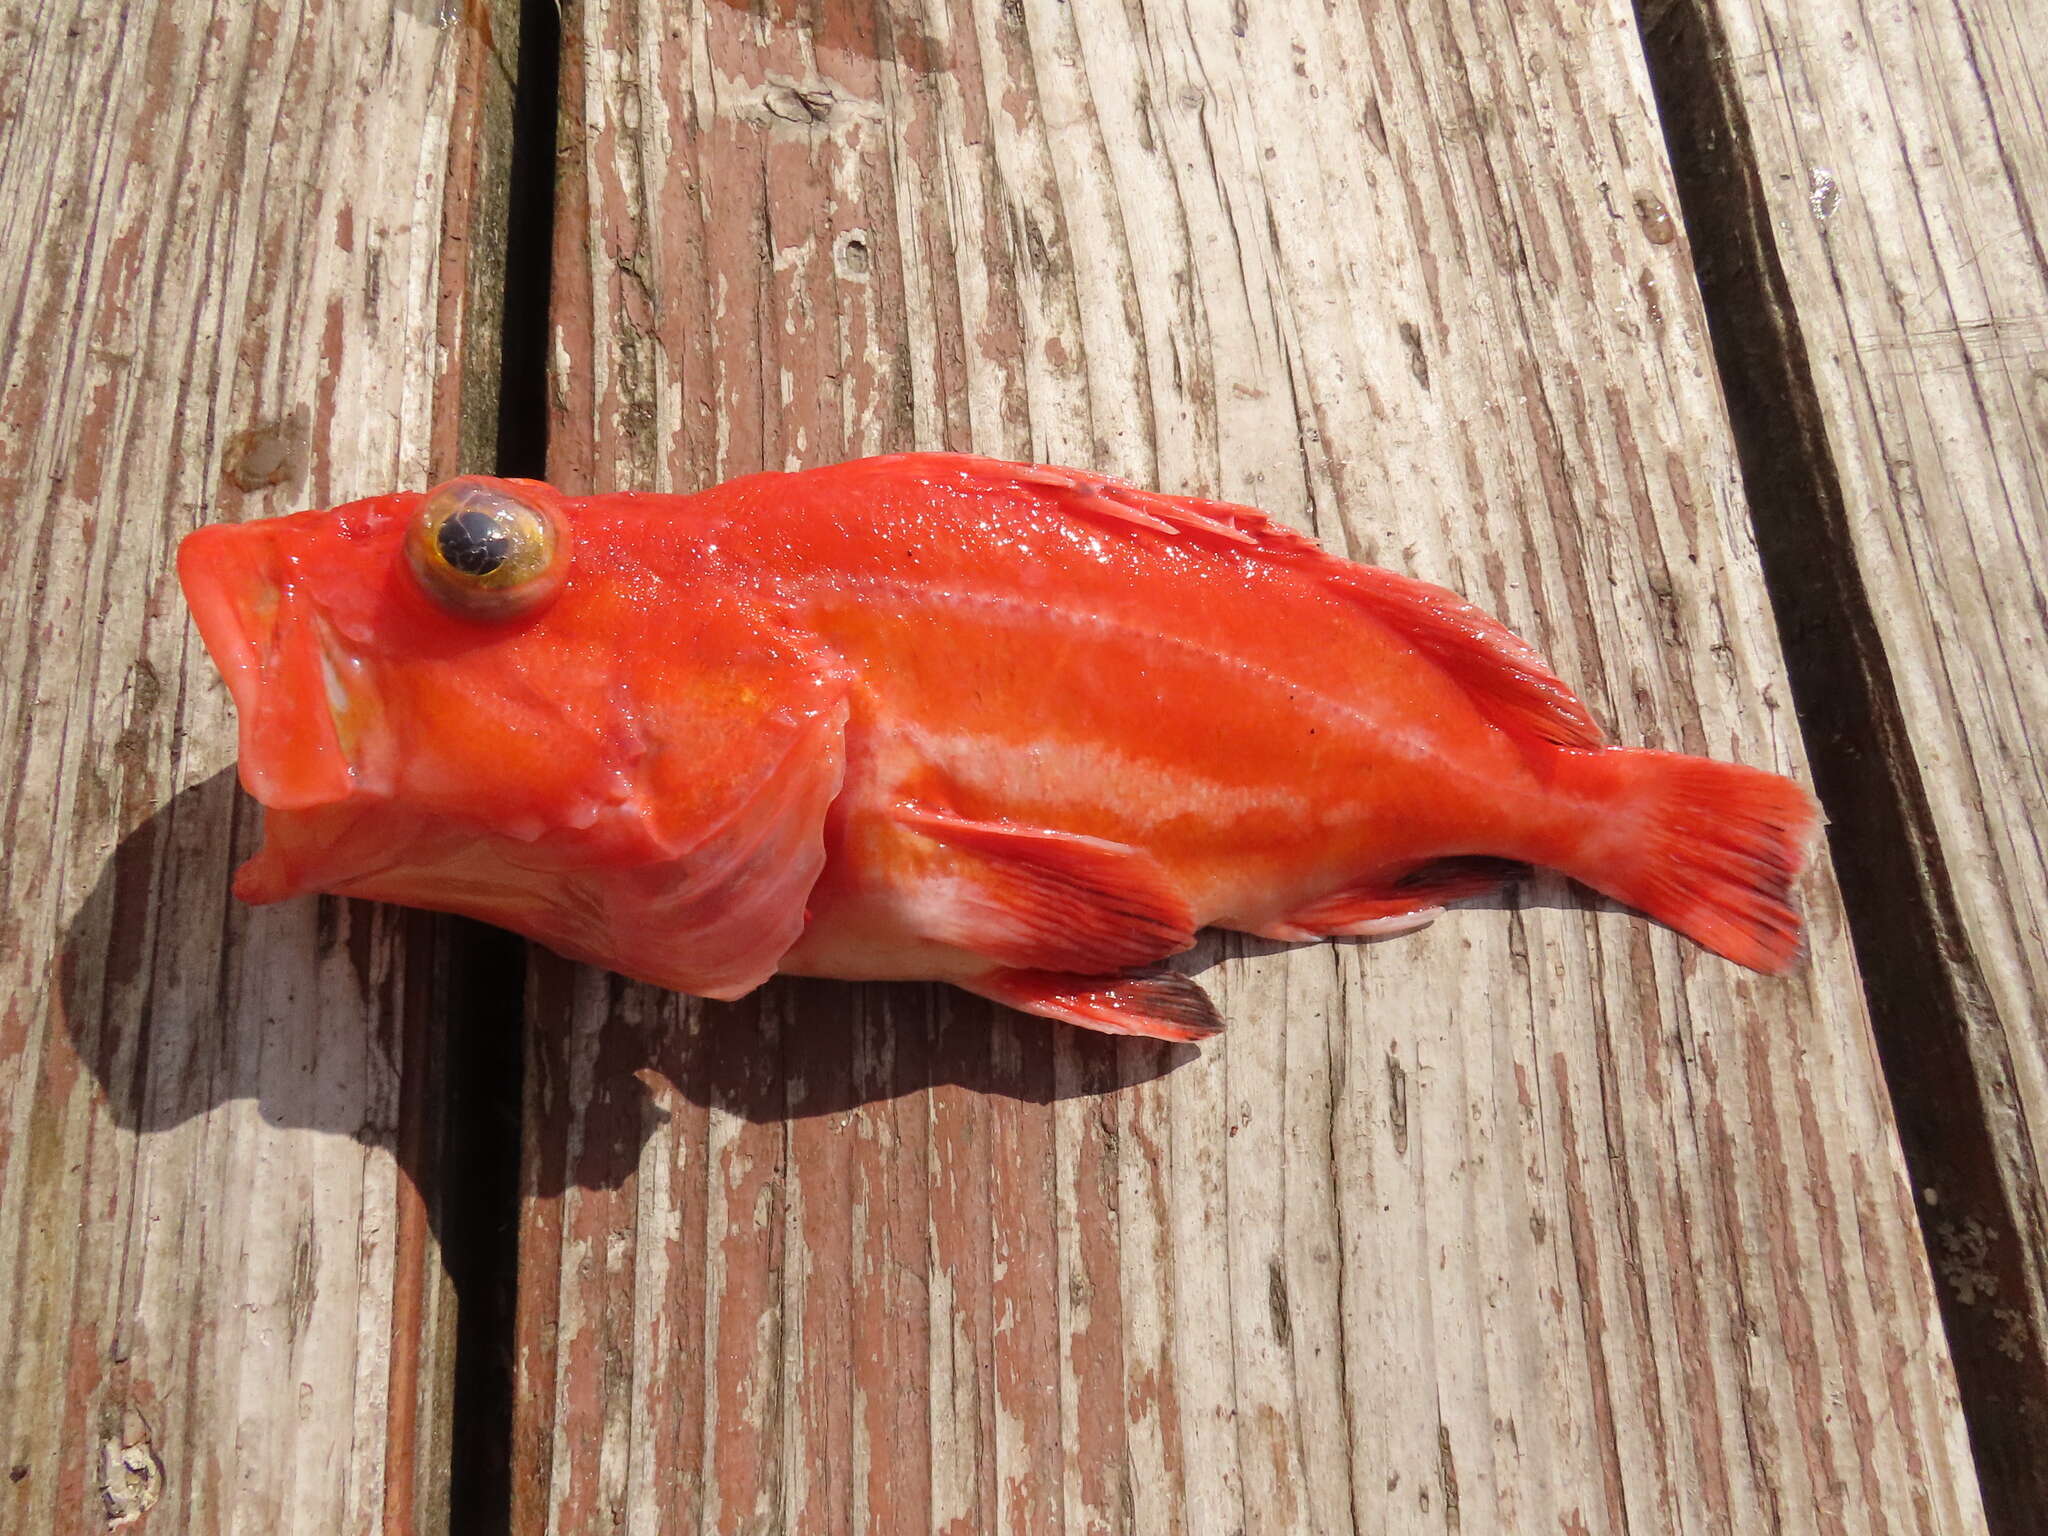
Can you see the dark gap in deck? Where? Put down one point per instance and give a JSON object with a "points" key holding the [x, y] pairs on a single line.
{"points": [[1922, 981], [487, 980], [480, 1221], [530, 246]]}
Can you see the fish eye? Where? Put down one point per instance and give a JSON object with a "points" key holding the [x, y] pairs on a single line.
{"points": [[482, 551]]}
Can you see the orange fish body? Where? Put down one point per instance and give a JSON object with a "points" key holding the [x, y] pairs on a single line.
{"points": [[1020, 729]]}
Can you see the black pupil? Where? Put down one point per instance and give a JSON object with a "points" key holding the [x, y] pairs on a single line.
{"points": [[474, 543]]}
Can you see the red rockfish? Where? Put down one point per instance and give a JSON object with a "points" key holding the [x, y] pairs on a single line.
{"points": [[1023, 730]]}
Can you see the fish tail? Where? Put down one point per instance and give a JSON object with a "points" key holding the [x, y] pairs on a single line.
{"points": [[1710, 849]]}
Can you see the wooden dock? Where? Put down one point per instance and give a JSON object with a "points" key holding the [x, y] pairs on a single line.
{"points": [[1706, 343]]}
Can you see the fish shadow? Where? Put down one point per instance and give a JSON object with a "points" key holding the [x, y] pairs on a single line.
{"points": [[327, 1016], [1541, 890], [180, 1000], [144, 979], [450, 1043], [798, 1048], [610, 1060]]}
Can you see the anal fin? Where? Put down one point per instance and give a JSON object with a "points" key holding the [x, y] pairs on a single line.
{"points": [[1162, 1005], [1053, 901], [1382, 908]]}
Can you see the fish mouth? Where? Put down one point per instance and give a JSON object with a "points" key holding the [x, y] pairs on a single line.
{"points": [[276, 653]]}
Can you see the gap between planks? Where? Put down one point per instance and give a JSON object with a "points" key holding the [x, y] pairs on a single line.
{"points": [[486, 1080], [1926, 992]]}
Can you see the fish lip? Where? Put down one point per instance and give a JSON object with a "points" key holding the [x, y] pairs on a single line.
{"points": [[219, 568], [265, 643]]}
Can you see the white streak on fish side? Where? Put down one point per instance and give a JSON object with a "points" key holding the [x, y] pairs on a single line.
{"points": [[1063, 771]]}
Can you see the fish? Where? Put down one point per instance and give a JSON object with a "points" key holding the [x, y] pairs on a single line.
{"points": [[929, 717]]}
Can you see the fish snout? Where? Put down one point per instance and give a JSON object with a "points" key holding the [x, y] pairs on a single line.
{"points": [[279, 659]]}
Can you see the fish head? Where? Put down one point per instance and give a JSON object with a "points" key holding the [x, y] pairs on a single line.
{"points": [[444, 698]]}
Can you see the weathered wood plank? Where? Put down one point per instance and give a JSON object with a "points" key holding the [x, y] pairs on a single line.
{"points": [[1875, 182], [1536, 1221], [247, 270]]}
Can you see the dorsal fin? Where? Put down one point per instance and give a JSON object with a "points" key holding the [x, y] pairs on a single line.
{"points": [[1115, 501], [1499, 671]]}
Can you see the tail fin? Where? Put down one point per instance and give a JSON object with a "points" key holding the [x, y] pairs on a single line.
{"points": [[1711, 849]]}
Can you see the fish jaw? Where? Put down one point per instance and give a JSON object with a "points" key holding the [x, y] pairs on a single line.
{"points": [[296, 696]]}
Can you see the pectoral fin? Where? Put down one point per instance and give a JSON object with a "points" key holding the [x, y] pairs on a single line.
{"points": [[1051, 901]]}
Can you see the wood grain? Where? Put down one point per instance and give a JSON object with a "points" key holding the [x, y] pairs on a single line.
{"points": [[247, 270], [1536, 1221], [1876, 177]]}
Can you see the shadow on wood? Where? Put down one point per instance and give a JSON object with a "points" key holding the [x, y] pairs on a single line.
{"points": [[102, 944], [793, 1050], [178, 1047]]}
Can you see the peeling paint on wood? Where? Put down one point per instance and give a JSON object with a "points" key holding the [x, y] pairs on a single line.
{"points": [[1869, 183], [1536, 1220], [230, 293]]}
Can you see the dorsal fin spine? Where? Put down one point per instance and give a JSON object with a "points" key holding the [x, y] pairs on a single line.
{"points": [[1503, 675]]}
